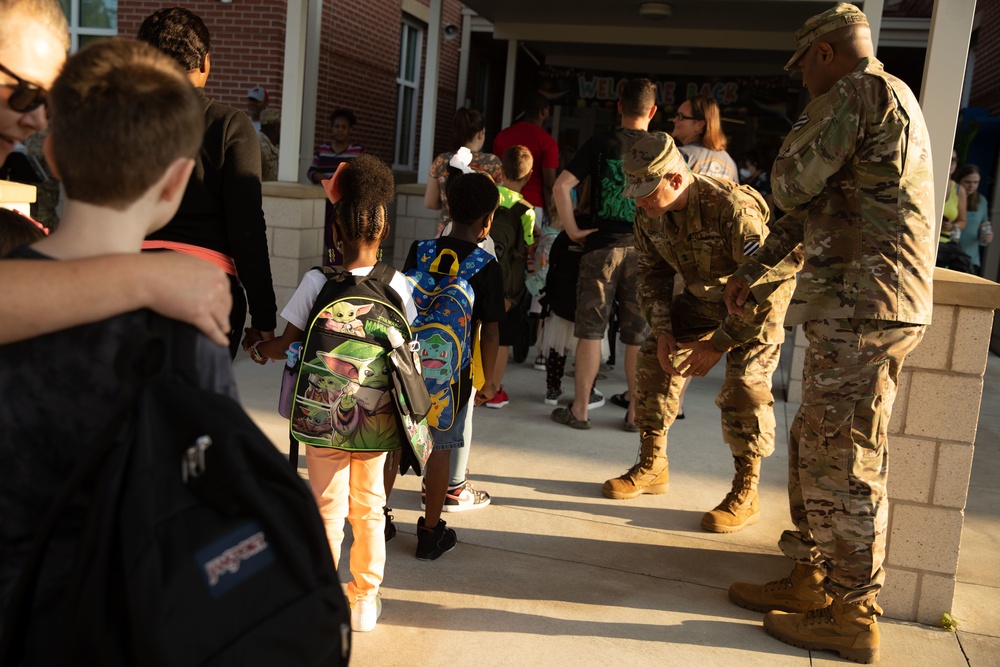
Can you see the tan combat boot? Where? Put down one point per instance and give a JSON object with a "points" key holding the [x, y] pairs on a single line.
{"points": [[848, 629], [649, 475], [800, 591], [740, 507]]}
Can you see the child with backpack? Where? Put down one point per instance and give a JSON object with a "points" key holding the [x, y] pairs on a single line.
{"points": [[125, 128], [343, 407], [458, 287], [513, 232]]}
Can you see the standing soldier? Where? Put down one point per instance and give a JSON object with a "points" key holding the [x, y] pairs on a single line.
{"points": [[855, 176], [699, 228]]}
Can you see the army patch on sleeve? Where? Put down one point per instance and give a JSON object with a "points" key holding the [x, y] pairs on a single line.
{"points": [[751, 244], [803, 119]]}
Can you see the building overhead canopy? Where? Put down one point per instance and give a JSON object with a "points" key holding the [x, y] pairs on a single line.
{"points": [[696, 37]]}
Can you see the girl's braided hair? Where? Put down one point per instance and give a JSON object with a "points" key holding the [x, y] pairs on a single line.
{"points": [[368, 187]]}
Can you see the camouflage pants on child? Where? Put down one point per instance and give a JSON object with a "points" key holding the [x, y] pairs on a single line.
{"points": [[837, 458]]}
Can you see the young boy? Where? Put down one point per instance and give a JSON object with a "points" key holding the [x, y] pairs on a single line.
{"points": [[473, 198], [517, 167], [126, 125]]}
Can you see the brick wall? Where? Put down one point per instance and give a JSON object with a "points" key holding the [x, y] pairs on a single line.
{"points": [[248, 43], [359, 60], [986, 77]]}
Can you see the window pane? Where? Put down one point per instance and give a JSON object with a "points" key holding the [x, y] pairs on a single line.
{"points": [[405, 128], [90, 39], [67, 8], [99, 14], [412, 54], [402, 48]]}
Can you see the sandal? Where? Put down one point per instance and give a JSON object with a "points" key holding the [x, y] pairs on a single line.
{"points": [[620, 400], [565, 416], [630, 427]]}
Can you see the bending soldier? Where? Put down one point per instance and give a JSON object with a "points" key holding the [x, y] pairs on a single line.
{"points": [[701, 229]]}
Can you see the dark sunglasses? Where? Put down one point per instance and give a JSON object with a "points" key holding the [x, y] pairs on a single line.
{"points": [[683, 117], [26, 96]]}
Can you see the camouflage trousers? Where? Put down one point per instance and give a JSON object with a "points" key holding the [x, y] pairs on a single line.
{"points": [[745, 399], [837, 452]]}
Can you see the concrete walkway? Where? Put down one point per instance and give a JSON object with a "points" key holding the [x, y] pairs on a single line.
{"points": [[555, 574]]}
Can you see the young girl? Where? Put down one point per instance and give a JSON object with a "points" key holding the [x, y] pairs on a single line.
{"points": [[349, 484]]}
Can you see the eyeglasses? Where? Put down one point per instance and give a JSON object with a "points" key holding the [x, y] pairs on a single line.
{"points": [[26, 96], [680, 116]]}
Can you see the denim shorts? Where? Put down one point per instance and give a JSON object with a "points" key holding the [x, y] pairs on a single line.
{"points": [[453, 438]]}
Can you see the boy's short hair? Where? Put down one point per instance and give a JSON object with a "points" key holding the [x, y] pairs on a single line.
{"points": [[122, 113], [638, 97], [179, 33], [517, 163]]}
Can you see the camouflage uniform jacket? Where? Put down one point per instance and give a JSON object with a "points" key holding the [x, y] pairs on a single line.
{"points": [[722, 224], [855, 176]]}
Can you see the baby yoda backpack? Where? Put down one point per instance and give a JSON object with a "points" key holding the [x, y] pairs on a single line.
{"points": [[444, 322], [346, 396]]}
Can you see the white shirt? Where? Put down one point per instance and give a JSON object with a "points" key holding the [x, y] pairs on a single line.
{"points": [[296, 312]]}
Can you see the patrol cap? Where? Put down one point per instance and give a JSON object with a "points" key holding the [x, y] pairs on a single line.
{"points": [[844, 14], [648, 161]]}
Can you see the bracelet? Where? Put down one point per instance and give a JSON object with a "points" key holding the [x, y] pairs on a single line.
{"points": [[255, 353]]}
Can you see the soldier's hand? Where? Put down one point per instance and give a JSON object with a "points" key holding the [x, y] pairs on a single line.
{"points": [[703, 356], [737, 291], [666, 346]]}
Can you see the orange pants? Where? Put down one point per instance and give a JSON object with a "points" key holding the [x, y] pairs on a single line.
{"points": [[349, 485]]}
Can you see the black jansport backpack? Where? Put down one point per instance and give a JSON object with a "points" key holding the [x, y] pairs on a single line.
{"points": [[201, 546]]}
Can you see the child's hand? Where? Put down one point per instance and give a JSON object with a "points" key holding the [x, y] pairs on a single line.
{"points": [[486, 393]]}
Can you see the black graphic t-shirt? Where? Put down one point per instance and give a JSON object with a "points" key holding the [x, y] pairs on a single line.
{"points": [[600, 157]]}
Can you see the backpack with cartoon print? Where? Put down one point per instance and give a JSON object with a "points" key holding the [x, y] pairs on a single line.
{"points": [[444, 323], [347, 396]]}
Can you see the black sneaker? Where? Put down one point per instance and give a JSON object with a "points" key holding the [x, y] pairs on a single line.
{"points": [[390, 527], [432, 542]]}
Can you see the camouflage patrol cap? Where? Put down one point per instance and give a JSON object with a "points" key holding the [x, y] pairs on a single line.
{"points": [[648, 161], [844, 14]]}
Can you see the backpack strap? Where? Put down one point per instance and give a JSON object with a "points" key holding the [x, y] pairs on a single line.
{"points": [[474, 263], [382, 272]]}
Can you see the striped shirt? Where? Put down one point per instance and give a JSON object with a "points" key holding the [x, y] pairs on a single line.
{"points": [[327, 160]]}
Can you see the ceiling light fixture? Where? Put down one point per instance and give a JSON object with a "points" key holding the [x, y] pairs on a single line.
{"points": [[655, 11]]}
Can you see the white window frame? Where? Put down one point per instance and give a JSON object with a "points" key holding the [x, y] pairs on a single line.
{"points": [[415, 30], [76, 31]]}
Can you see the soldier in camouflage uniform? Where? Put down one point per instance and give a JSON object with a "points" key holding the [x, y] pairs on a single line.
{"points": [[855, 176], [699, 228]]}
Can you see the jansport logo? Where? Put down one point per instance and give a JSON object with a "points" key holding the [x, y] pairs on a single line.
{"points": [[231, 560]]}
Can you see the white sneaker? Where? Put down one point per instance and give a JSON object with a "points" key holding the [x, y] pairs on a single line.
{"points": [[365, 614], [596, 400]]}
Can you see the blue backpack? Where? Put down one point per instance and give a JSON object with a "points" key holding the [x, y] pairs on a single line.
{"points": [[444, 323]]}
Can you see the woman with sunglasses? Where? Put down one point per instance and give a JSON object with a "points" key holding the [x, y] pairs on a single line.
{"points": [[42, 297], [698, 127]]}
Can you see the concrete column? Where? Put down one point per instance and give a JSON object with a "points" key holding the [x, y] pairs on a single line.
{"points": [[310, 97], [17, 196], [508, 85], [873, 10], [428, 112], [295, 216], [293, 89], [931, 436], [941, 90], [463, 58]]}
